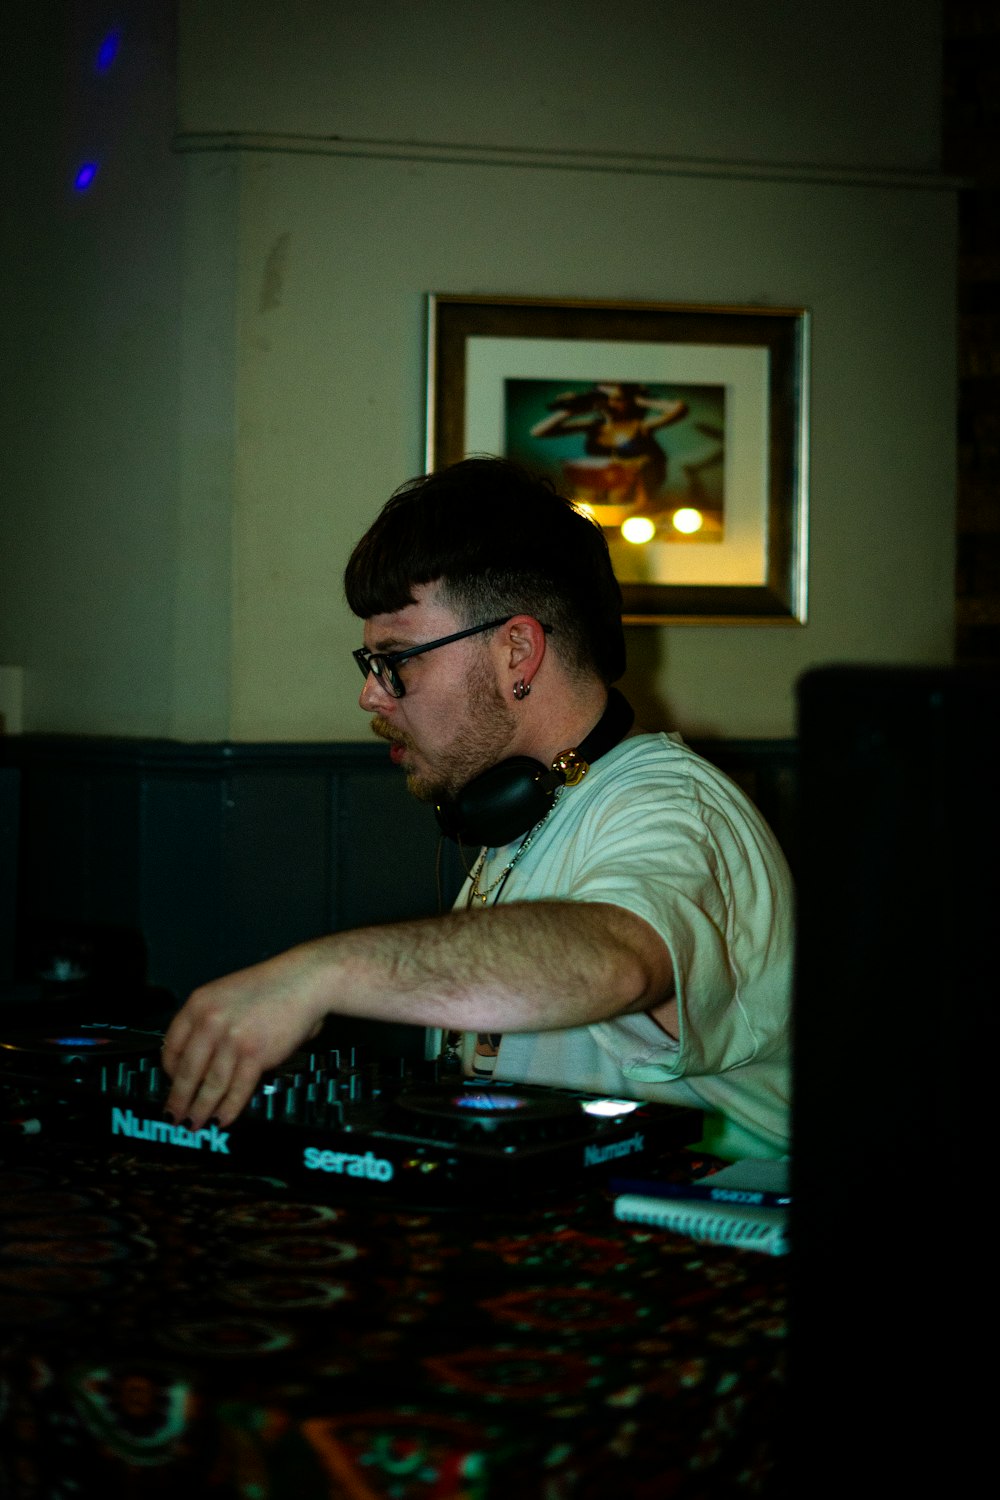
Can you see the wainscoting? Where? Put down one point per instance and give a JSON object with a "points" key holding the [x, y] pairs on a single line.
{"points": [[168, 864]]}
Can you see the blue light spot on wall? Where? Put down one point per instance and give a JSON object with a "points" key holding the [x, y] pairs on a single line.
{"points": [[85, 176], [107, 51]]}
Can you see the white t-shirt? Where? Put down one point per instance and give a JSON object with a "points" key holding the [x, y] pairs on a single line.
{"points": [[657, 830]]}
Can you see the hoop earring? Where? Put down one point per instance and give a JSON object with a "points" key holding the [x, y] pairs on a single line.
{"points": [[521, 689]]}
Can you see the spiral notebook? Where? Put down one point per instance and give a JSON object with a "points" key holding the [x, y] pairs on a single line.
{"points": [[745, 1204]]}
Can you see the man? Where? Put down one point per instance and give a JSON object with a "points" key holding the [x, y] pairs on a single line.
{"points": [[626, 929]]}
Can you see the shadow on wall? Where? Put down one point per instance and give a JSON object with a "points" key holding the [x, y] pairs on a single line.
{"points": [[647, 652]]}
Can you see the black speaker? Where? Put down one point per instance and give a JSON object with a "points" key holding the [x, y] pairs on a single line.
{"points": [[895, 998]]}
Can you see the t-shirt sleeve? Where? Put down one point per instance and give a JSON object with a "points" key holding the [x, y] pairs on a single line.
{"points": [[703, 870]]}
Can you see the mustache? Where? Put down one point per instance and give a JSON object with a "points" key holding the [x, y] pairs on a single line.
{"points": [[385, 731]]}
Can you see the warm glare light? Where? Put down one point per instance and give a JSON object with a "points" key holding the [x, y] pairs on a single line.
{"points": [[609, 1107], [688, 520], [638, 529]]}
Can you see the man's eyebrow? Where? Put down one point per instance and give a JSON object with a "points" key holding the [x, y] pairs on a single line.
{"points": [[389, 643]]}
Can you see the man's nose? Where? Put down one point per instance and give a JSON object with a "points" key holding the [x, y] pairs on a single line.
{"points": [[374, 697]]}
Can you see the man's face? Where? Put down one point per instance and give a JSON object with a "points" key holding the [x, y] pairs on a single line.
{"points": [[453, 720]]}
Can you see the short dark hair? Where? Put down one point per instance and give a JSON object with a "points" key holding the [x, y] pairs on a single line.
{"points": [[501, 541]]}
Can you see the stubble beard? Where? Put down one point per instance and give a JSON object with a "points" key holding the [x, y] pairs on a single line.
{"points": [[480, 742]]}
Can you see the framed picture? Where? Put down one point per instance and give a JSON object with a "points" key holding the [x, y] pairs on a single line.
{"points": [[682, 430]]}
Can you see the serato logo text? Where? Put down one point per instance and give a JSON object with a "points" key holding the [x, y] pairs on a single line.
{"points": [[375, 1168]]}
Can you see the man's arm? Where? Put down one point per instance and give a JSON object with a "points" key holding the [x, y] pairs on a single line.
{"points": [[528, 966]]}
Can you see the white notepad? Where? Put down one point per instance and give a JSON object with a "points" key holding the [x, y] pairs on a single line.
{"points": [[749, 1225]]}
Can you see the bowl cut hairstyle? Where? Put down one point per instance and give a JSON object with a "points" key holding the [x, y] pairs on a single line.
{"points": [[500, 541]]}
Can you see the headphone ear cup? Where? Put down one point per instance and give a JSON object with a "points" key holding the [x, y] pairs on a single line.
{"points": [[500, 803], [508, 799]]}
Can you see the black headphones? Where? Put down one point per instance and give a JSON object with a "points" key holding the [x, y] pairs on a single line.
{"points": [[511, 797]]}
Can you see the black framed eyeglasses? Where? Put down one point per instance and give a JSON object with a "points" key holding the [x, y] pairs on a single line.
{"points": [[383, 664]]}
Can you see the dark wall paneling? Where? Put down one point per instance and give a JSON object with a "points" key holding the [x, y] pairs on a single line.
{"points": [[385, 847], [275, 874], [213, 857], [181, 878], [210, 857], [80, 827]]}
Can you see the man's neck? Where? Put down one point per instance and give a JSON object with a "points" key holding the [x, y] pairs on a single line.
{"points": [[567, 723]]}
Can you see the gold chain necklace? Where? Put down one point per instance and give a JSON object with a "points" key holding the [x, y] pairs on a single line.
{"points": [[475, 894]]}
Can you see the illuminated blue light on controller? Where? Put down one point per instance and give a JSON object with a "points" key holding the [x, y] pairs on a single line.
{"points": [[85, 176], [77, 1041], [489, 1101]]}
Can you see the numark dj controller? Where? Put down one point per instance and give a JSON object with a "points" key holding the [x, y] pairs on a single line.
{"points": [[335, 1124]]}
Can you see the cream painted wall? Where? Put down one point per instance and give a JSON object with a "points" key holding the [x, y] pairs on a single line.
{"points": [[218, 361], [740, 80], [338, 255], [90, 369], [206, 438]]}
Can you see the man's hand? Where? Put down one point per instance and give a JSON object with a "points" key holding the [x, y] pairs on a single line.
{"points": [[232, 1031]]}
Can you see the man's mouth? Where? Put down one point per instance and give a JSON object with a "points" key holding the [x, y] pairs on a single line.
{"points": [[397, 746]]}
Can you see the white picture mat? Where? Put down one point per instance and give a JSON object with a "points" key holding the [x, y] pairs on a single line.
{"points": [[741, 558]]}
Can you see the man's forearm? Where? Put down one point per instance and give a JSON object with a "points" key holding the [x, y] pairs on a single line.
{"points": [[531, 966], [520, 967]]}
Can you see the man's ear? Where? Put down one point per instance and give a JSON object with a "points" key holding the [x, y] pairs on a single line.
{"points": [[525, 646]]}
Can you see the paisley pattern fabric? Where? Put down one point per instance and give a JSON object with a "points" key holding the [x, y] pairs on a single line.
{"points": [[168, 1330]]}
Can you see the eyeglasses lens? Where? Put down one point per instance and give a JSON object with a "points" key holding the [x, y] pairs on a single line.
{"points": [[387, 676], [382, 670]]}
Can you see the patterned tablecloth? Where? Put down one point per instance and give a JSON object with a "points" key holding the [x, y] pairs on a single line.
{"points": [[171, 1331]]}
